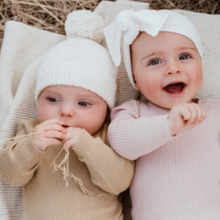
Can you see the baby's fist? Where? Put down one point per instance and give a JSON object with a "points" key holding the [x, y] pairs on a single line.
{"points": [[184, 117]]}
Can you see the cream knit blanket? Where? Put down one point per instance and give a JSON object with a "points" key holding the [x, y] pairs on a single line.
{"points": [[21, 54]]}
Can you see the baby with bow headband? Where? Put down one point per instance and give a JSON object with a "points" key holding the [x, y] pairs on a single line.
{"points": [[173, 137]]}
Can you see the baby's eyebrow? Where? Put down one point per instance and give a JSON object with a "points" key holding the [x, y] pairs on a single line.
{"points": [[156, 53], [186, 48], [50, 92]]}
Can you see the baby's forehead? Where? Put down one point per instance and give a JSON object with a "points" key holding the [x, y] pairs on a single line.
{"points": [[68, 90], [162, 37], [145, 36]]}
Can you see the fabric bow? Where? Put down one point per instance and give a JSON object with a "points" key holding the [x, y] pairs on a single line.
{"points": [[131, 23]]}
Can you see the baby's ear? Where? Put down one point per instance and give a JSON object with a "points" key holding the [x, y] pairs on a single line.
{"points": [[136, 84]]}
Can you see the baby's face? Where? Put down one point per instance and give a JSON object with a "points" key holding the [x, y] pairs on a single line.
{"points": [[74, 106], [167, 69]]}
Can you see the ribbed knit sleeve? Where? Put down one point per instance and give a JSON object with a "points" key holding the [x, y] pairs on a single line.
{"points": [[133, 135], [178, 180], [19, 158], [108, 170]]}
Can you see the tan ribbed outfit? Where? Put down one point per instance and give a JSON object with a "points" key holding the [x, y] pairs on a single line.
{"points": [[102, 175]]}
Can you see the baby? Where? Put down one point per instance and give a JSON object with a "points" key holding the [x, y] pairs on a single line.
{"points": [[75, 90], [173, 137]]}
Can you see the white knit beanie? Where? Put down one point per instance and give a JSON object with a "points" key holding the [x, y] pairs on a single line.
{"points": [[80, 60]]}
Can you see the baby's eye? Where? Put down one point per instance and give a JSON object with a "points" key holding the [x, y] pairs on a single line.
{"points": [[184, 57], [52, 100], [154, 62], [83, 103]]}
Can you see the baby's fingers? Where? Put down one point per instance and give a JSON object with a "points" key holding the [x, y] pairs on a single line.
{"points": [[54, 127], [66, 146], [54, 134], [53, 121], [194, 113], [183, 112], [69, 134], [53, 124], [52, 141], [197, 114], [201, 114]]}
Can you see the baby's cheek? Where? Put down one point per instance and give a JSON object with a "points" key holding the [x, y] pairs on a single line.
{"points": [[197, 81], [152, 84], [198, 76], [44, 115]]}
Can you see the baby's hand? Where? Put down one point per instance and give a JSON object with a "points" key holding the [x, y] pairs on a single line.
{"points": [[50, 132], [72, 136], [185, 117]]}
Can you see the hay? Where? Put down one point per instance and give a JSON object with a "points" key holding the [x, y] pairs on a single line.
{"points": [[50, 15], [203, 6]]}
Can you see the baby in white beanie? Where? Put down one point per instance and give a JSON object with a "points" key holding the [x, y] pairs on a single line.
{"points": [[173, 137], [75, 90]]}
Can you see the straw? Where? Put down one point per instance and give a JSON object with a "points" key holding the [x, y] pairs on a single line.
{"points": [[50, 15]]}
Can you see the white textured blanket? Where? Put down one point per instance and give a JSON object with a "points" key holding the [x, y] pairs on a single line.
{"points": [[21, 53]]}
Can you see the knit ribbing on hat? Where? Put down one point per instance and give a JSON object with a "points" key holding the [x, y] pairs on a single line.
{"points": [[79, 62]]}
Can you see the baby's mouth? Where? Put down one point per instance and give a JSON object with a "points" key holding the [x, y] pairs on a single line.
{"points": [[175, 88], [65, 126]]}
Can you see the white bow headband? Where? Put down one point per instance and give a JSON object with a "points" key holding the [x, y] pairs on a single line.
{"points": [[130, 23]]}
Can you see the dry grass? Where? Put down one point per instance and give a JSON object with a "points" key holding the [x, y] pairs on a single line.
{"points": [[204, 6], [51, 14]]}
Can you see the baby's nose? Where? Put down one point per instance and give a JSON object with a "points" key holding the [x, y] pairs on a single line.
{"points": [[173, 68], [67, 110]]}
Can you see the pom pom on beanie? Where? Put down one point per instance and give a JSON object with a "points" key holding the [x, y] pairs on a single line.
{"points": [[92, 25]]}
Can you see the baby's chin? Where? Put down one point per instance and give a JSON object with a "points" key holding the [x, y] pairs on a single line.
{"points": [[170, 105], [161, 105]]}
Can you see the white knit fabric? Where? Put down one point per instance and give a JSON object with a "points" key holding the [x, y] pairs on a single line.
{"points": [[86, 24], [79, 62], [21, 55]]}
